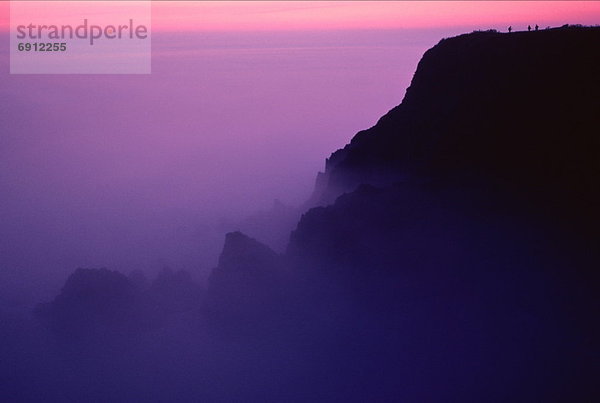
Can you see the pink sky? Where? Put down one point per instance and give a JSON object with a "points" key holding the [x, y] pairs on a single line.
{"points": [[300, 15], [320, 15]]}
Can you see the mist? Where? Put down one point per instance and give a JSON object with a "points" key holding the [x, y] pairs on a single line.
{"points": [[140, 172]]}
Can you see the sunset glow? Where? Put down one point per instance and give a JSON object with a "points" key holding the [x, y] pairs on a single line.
{"points": [[366, 15], [331, 15]]}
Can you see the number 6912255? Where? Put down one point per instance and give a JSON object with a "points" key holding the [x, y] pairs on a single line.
{"points": [[42, 47]]}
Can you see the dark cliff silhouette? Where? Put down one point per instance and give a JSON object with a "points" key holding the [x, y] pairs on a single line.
{"points": [[470, 237], [515, 112], [451, 256]]}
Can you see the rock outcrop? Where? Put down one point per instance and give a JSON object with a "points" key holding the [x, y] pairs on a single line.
{"points": [[453, 256], [245, 286], [465, 217], [92, 301], [512, 112]]}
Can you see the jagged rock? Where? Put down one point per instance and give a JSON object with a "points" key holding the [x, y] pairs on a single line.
{"points": [[244, 287], [242, 254], [477, 225], [271, 226], [92, 300], [430, 279], [514, 112]]}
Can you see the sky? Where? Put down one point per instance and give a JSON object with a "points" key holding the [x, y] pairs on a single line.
{"points": [[331, 15], [317, 15], [244, 103]]}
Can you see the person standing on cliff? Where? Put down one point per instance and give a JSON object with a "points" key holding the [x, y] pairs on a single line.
{"points": [[509, 29], [529, 28], [537, 27]]}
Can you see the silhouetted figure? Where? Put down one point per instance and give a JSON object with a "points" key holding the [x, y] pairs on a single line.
{"points": [[537, 27], [509, 29], [529, 28]]}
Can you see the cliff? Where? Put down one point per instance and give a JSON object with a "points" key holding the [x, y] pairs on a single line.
{"points": [[511, 111], [452, 257]]}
